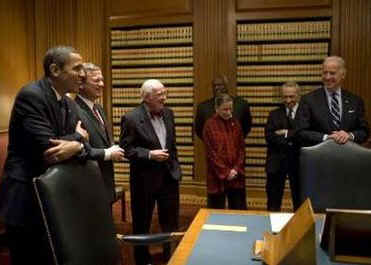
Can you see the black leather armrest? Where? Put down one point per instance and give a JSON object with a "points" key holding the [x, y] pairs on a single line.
{"points": [[150, 239]]}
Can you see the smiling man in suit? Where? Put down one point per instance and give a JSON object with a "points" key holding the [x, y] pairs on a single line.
{"points": [[44, 129], [148, 137], [95, 121], [331, 112], [283, 150]]}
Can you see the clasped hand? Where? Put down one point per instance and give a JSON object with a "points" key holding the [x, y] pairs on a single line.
{"points": [[340, 137], [61, 150], [232, 174], [116, 153], [159, 155], [281, 132]]}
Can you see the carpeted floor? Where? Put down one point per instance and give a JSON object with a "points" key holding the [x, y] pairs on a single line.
{"points": [[187, 214]]}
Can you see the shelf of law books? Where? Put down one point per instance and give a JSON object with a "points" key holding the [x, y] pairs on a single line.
{"points": [[269, 53], [163, 52]]}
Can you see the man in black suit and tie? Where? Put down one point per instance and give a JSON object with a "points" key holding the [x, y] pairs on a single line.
{"points": [[331, 112], [95, 121], [148, 137], [283, 151], [206, 109], [44, 129]]}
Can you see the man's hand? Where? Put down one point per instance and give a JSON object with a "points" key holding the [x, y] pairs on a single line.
{"points": [[232, 174], [340, 137], [159, 155], [116, 153], [61, 150], [281, 132], [82, 131]]}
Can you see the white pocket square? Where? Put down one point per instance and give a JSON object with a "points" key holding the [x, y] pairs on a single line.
{"points": [[351, 111]]}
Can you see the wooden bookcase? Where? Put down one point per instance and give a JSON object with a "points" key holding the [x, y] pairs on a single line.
{"points": [[269, 53], [159, 51]]}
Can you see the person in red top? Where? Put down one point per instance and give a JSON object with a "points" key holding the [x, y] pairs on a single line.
{"points": [[225, 148]]}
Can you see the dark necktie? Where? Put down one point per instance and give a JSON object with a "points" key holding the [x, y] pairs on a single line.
{"points": [[290, 114], [290, 118], [63, 108], [335, 110]]}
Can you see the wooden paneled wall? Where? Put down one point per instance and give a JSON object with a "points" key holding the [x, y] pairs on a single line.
{"points": [[214, 25], [16, 53], [354, 45], [29, 28], [67, 22], [214, 55]]}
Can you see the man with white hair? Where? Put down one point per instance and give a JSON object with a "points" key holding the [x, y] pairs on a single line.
{"points": [[331, 112], [148, 138]]}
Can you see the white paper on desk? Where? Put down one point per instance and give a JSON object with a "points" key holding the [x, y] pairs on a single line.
{"points": [[279, 220], [231, 228]]}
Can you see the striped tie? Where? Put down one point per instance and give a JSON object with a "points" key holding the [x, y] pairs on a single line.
{"points": [[335, 110], [98, 117]]}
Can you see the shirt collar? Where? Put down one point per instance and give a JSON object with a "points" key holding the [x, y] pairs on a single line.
{"points": [[293, 108], [59, 97], [87, 101], [337, 91], [149, 112], [147, 109]]}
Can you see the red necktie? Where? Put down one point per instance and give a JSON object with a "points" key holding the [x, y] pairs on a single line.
{"points": [[156, 114], [98, 117]]}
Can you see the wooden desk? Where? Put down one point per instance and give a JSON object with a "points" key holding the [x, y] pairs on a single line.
{"points": [[189, 240], [190, 244]]}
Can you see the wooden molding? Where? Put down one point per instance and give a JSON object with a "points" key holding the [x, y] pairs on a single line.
{"points": [[243, 5], [149, 7], [142, 20], [283, 14]]}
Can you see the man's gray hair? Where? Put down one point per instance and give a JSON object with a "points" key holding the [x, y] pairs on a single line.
{"points": [[148, 86], [291, 84], [58, 55], [340, 61], [90, 67]]}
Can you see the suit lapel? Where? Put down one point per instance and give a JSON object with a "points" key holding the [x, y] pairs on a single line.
{"points": [[54, 106], [324, 109], [147, 126], [107, 124], [287, 122], [168, 126], [93, 120], [346, 108]]}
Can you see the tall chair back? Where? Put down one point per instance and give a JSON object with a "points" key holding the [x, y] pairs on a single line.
{"points": [[336, 176], [76, 214]]}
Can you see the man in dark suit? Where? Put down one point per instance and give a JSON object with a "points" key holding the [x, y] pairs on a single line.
{"points": [[206, 109], [283, 151], [95, 121], [148, 137], [331, 112], [44, 129]]}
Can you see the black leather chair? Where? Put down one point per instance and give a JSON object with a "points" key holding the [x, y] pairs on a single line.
{"points": [[76, 214], [336, 176]]}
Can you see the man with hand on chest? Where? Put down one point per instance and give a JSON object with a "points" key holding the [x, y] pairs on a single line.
{"points": [[44, 129]]}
